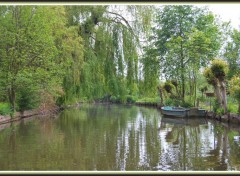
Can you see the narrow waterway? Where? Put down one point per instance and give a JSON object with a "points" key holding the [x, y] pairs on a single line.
{"points": [[116, 138]]}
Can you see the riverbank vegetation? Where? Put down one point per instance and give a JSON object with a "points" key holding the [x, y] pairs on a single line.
{"points": [[59, 55]]}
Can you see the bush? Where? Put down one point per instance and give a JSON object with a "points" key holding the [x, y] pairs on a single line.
{"points": [[215, 105], [5, 109], [131, 99], [115, 99], [172, 102], [169, 102], [27, 99], [186, 104], [202, 99], [232, 108], [177, 102], [220, 111]]}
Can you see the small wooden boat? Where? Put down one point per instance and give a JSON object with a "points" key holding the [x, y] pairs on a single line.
{"points": [[196, 112], [174, 111], [183, 112]]}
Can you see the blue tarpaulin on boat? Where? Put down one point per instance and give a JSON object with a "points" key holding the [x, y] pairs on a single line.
{"points": [[168, 108]]}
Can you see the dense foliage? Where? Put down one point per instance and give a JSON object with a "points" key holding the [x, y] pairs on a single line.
{"points": [[57, 55]]}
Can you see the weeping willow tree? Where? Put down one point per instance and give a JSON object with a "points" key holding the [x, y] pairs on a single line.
{"points": [[69, 58], [110, 50], [151, 72], [67, 53]]}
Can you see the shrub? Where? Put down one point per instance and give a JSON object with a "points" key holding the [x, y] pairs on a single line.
{"points": [[5, 109], [115, 99], [202, 99], [27, 99], [186, 104], [220, 111], [168, 102], [203, 88], [215, 105], [131, 99], [84, 99], [172, 102], [232, 108]]}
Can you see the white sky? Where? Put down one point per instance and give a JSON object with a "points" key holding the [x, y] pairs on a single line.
{"points": [[226, 11]]}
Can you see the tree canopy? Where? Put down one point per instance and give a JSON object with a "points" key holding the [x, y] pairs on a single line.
{"points": [[55, 55]]}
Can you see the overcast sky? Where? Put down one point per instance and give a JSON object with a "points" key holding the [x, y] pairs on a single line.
{"points": [[227, 11]]}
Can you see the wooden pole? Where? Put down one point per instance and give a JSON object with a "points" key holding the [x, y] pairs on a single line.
{"points": [[210, 103]]}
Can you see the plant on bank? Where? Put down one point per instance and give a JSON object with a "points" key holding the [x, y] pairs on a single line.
{"points": [[27, 99], [235, 90], [5, 109]]}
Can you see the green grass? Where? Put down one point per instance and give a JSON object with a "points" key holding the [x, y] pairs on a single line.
{"points": [[232, 104], [5, 109], [149, 100]]}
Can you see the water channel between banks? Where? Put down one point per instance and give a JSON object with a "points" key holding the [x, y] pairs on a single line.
{"points": [[118, 138]]}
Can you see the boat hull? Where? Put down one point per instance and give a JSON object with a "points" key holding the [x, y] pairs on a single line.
{"points": [[177, 112], [194, 112], [183, 112]]}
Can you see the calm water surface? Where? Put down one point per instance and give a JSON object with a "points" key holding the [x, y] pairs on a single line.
{"points": [[117, 137]]}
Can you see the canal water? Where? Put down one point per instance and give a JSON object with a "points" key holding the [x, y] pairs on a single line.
{"points": [[118, 138]]}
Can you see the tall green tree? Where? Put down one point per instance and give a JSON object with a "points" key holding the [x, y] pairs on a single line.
{"points": [[150, 71], [185, 35], [70, 54], [235, 89], [111, 45], [27, 47], [38, 50], [231, 53]]}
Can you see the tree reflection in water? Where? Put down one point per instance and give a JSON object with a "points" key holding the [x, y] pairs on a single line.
{"points": [[117, 137]]}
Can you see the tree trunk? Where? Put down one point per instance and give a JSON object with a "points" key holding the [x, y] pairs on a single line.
{"points": [[238, 107], [12, 98], [224, 96], [161, 95], [190, 85], [178, 94], [195, 87], [218, 95], [182, 74]]}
